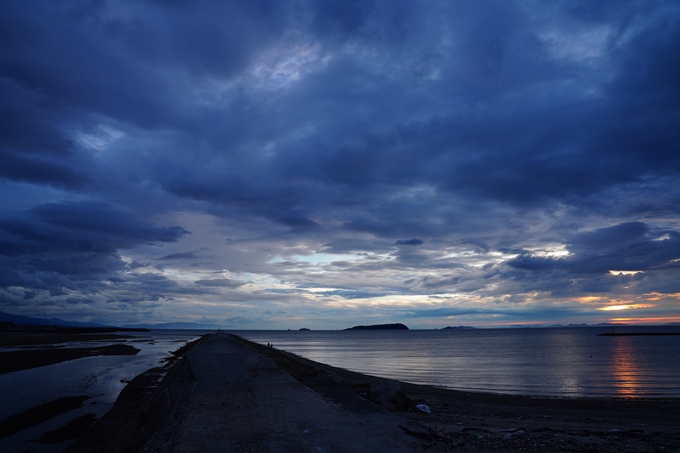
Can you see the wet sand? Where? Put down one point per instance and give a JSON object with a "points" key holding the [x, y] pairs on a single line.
{"points": [[44, 339], [35, 347], [32, 358]]}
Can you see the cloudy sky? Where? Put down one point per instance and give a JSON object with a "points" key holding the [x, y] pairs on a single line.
{"points": [[326, 163]]}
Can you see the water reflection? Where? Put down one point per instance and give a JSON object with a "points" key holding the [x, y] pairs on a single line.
{"points": [[624, 368], [557, 362], [566, 360], [101, 378]]}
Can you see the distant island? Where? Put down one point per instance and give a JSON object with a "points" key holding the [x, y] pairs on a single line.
{"points": [[380, 327], [455, 328]]}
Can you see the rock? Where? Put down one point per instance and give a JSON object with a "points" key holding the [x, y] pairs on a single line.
{"points": [[351, 383], [390, 395], [385, 391]]}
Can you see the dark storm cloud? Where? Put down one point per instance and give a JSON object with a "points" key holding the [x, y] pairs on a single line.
{"points": [[108, 60], [340, 18], [299, 222], [344, 127], [219, 282], [72, 245], [78, 227], [180, 256], [650, 257], [624, 247], [413, 242], [32, 148], [535, 151], [40, 171], [357, 246], [620, 236]]}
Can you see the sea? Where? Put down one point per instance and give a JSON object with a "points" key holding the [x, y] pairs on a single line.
{"points": [[553, 362], [556, 362]]}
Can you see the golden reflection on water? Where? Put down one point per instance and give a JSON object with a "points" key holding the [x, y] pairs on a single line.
{"points": [[624, 368]]}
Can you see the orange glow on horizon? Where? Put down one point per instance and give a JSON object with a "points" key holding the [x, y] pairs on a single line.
{"points": [[626, 307], [657, 320], [614, 307], [591, 299], [658, 296]]}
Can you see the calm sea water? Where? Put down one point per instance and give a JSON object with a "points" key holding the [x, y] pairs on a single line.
{"points": [[566, 362]]}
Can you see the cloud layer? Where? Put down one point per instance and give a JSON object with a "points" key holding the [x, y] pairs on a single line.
{"points": [[271, 164]]}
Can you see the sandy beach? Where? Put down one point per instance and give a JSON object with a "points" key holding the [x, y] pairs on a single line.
{"points": [[151, 411]]}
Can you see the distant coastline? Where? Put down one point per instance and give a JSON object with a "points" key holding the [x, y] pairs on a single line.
{"points": [[47, 329], [636, 334]]}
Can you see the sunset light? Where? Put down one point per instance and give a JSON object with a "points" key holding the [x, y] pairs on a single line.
{"points": [[626, 307], [624, 272]]}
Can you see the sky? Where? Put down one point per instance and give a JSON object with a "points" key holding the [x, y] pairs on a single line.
{"points": [[269, 164]]}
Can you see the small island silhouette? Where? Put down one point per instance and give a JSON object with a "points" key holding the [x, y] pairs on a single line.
{"points": [[397, 326]]}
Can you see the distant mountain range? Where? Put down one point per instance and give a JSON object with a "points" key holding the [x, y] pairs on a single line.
{"points": [[29, 321], [175, 325], [541, 326], [19, 320]]}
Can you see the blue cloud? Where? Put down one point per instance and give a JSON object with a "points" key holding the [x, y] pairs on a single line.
{"points": [[499, 131]]}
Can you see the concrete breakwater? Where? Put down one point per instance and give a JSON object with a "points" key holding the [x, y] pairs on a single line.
{"points": [[223, 396]]}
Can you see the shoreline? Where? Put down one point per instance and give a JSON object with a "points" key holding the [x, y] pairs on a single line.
{"points": [[570, 423], [153, 403], [58, 419], [459, 420], [11, 361], [142, 407]]}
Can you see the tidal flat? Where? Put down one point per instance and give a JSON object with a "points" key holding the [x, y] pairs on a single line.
{"points": [[54, 385]]}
